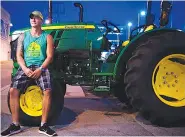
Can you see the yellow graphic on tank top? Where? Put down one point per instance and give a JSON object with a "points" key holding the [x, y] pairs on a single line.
{"points": [[33, 50]]}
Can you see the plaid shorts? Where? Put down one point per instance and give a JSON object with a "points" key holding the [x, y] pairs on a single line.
{"points": [[21, 80]]}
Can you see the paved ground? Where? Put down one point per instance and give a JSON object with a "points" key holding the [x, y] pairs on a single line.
{"points": [[92, 115], [6, 69], [87, 114]]}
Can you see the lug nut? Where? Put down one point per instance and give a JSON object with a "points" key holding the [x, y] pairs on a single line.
{"points": [[172, 73], [164, 77], [173, 85], [167, 73], [168, 85], [176, 90], [175, 76], [176, 81], [164, 82]]}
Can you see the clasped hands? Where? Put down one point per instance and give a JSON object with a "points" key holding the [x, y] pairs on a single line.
{"points": [[33, 74]]}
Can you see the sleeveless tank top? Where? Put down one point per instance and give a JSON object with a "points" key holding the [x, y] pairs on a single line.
{"points": [[34, 48]]}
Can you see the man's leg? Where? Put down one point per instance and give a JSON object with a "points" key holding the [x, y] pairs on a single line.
{"points": [[44, 83], [14, 105], [44, 128], [18, 82], [46, 105]]}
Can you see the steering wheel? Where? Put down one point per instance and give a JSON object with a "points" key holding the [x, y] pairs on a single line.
{"points": [[106, 24], [136, 28]]}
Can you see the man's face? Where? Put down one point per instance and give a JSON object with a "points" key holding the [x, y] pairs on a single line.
{"points": [[35, 21]]}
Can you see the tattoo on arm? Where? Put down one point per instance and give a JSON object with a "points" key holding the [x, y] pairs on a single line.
{"points": [[20, 44], [20, 51]]}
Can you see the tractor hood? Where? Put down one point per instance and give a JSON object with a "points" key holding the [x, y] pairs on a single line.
{"points": [[68, 36]]}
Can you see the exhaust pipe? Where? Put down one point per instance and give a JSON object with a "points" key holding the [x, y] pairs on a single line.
{"points": [[149, 15], [166, 7], [81, 11]]}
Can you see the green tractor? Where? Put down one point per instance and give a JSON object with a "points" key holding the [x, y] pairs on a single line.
{"points": [[146, 72]]}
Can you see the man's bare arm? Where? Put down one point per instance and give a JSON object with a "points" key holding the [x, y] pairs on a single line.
{"points": [[49, 52], [19, 55]]}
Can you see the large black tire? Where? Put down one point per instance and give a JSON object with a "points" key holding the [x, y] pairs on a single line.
{"points": [[118, 90], [58, 92], [138, 78]]}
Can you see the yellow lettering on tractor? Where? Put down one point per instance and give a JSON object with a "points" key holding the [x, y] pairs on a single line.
{"points": [[66, 27], [69, 27]]}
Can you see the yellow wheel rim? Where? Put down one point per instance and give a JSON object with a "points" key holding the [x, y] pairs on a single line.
{"points": [[168, 80], [31, 101]]}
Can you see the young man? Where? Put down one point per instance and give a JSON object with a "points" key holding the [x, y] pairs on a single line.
{"points": [[34, 54]]}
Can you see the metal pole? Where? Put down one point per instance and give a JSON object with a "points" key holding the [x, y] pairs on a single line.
{"points": [[171, 16], [138, 23], [171, 22], [128, 32], [117, 39], [50, 12]]}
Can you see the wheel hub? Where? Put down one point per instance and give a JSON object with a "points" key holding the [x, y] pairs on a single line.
{"points": [[31, 101], [169, 80]]}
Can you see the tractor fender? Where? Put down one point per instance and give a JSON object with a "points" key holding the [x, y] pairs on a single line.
{"points": [[126, 52]]}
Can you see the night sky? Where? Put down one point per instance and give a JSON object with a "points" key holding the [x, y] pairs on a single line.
{"points": [[120, 12]]}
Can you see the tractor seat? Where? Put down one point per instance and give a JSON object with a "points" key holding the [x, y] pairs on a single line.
{"points": [[105, 44]]}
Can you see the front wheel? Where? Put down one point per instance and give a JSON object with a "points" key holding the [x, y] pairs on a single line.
{"points": [[31, 104], [155, 78]]}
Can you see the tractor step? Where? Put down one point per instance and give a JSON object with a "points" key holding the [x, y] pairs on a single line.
{"points": [[103, 74], [101, 89]]}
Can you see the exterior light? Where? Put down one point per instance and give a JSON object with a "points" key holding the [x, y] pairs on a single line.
{"points": [[143, 13], [130, 24], [47, 21], [11, 25]]}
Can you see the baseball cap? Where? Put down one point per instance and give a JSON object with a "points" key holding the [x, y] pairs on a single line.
{"points": [[37, 14]]}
